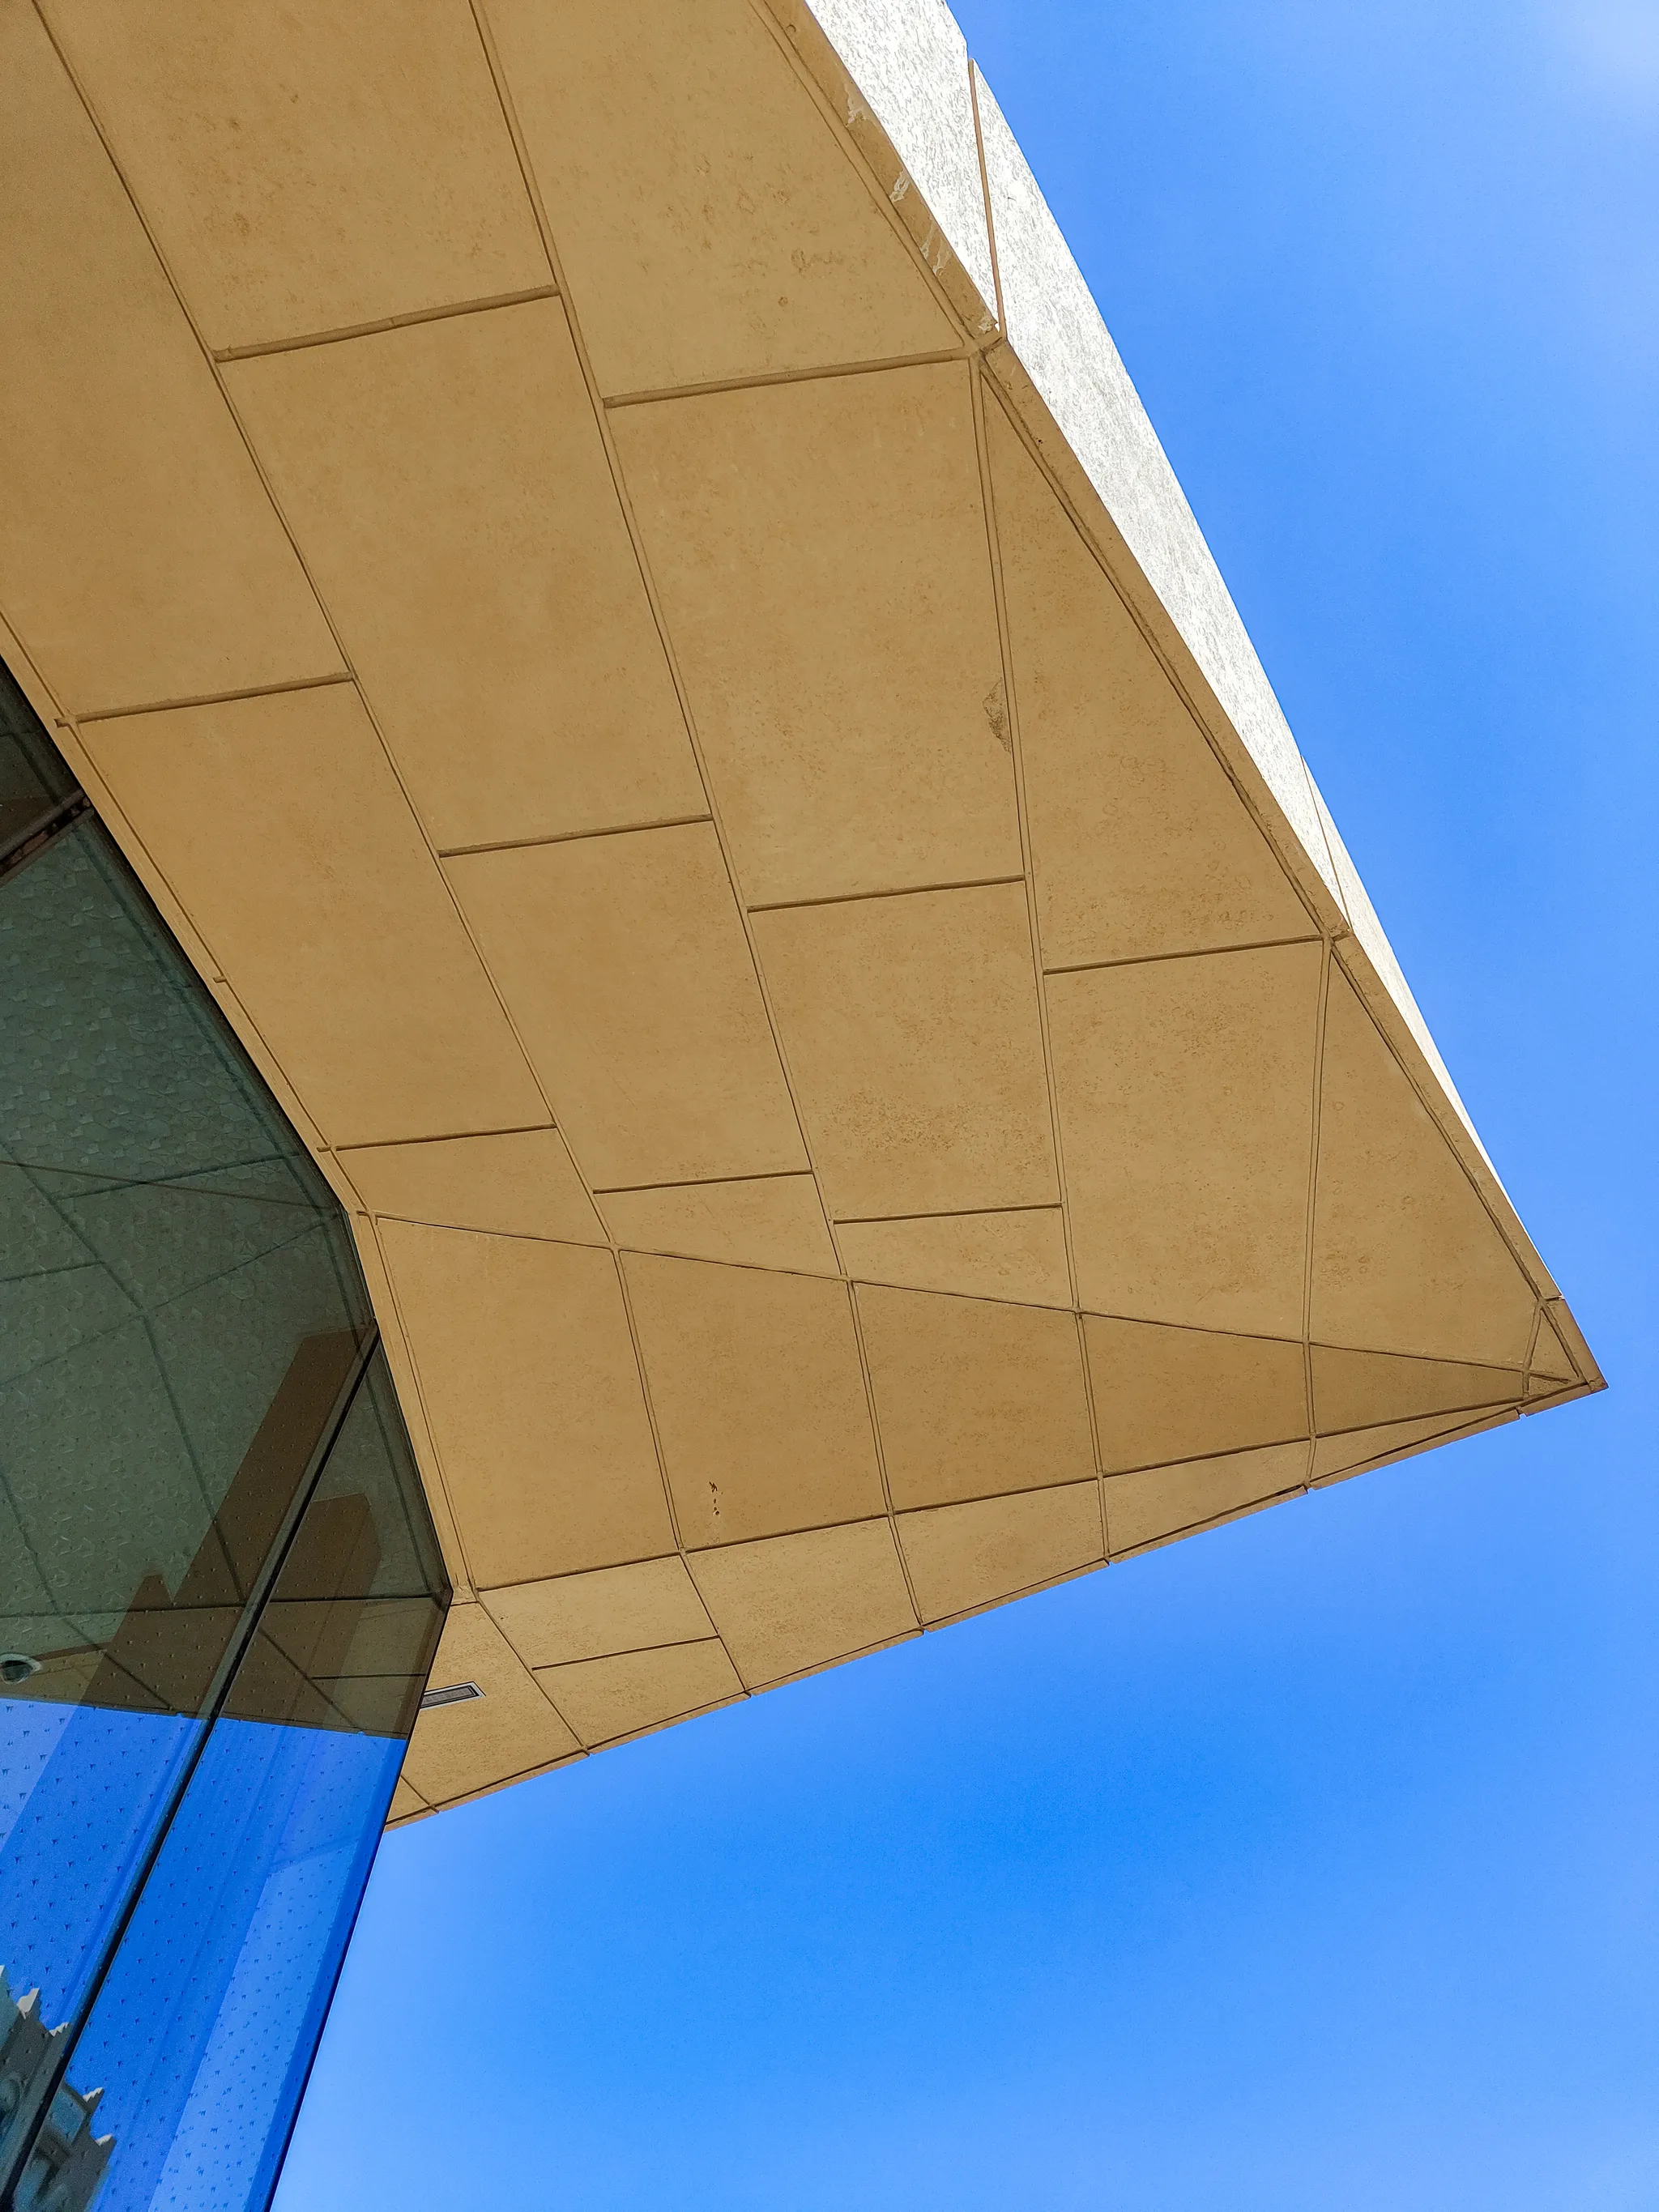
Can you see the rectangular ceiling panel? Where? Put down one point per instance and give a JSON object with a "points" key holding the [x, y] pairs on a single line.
{"points": [[142, 557], [450, 490], [344, 939], [624, 963], [310, 167]]}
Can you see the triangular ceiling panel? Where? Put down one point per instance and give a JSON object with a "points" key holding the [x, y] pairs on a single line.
{"points": [[1359, 1389], [1407, 1256], [1549, 1358]]}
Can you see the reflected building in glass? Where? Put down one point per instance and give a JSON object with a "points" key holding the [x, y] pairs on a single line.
{"points": [[220, 1592]]}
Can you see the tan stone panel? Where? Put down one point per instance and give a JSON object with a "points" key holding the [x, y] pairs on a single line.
{"points": [[406, 1804], [449, 487], [342, 942], [1141, 844], [310, 167], [766, 1221], [972, 1398], [605, 1698], [708, 223], [912, 1030], [758, 1396], [1165, 1501], [964, 1556], [528, 1371], [594, 1616], [481, 1741], [624, 963], [1184, 1393], [1019, 1254], [792, 1603], [1186, 1110], [852, 717], [1406, 1256], [1337, 1457], [1579, 1355], [1548, 1357], [519, 1182], [1361, 1389], [141, 558]]}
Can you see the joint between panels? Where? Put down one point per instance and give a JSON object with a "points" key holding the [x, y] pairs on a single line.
{"points": [[647, 580]]}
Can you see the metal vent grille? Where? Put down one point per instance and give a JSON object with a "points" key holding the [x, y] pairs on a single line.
{"points": [[457, 1693]]}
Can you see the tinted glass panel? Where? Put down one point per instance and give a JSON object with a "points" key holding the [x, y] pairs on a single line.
{"points": [[181, 1308], [200, 2041], [219, 1588]]}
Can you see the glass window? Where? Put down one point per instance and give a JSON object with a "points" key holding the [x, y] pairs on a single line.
{"points": [[219, 1588], [200, 2038]]}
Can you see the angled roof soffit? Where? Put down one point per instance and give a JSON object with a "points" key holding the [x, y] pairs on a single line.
{"points": [[897, 73], [619, 594]]}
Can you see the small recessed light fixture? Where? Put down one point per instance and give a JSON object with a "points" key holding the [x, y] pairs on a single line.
{"points": [[456, 1694], [17, 1667]]}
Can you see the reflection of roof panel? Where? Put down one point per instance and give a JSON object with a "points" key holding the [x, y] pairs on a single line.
{"points": [[643, 632]]}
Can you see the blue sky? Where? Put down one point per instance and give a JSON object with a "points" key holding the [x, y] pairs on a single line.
{"points": [[1311, 1866]]}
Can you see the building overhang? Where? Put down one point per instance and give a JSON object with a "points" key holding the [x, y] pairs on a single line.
{"points": [[604, 568]]}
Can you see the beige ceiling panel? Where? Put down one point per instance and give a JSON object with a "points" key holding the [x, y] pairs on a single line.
{"points": [[594, 1616], [141, 558], [792, 1603], [1184, 1393], [481, 1741], [343, 944], [1563, 1327], [623, 962], [1547, 1357], [1406, 1256], [406, 1805], [309, 167], [758, 1396], [518, 1184], [1146, 1508], [1141, 843], [1108, 449], [708, 223], [821, 554], [765, 1221], [1335, 1457], [972, 1398], [964, 1556], [528, 1377], [1186, 1110], [912, 1030], [1361, 1389], [1018, 1255], [912, 115], [605, 1698], [449, 487]]}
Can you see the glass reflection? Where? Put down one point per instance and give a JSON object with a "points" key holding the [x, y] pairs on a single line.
{"points": [[194, 1765], [202, 2035]]}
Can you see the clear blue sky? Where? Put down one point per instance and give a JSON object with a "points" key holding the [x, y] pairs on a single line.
{"points": [[1312, 1866]]}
